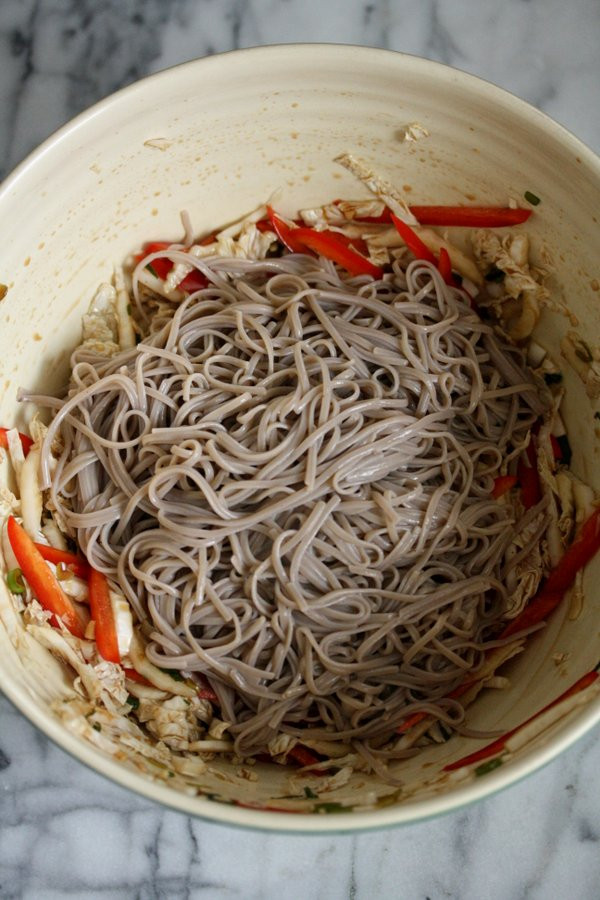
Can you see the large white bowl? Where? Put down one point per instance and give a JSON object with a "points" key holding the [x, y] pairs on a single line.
{"points": [[235, 128]]}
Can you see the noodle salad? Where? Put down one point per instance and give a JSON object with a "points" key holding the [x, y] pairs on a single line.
{"points": [[307, 489]]}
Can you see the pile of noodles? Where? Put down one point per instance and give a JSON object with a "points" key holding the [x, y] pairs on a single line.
{"points": [[290, 479]]}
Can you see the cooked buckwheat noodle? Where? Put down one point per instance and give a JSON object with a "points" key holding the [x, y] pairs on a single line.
{"points": [[290, 479]]}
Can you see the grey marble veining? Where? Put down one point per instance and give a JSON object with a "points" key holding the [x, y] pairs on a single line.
{"points": [[65, 831]]}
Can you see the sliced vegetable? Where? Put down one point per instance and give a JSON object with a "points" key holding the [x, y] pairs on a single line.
{"points": [[135, 676], [156, 677], [333, 246], [503, 484], [329, 244], [77, 564], [121, 611], [41, 580], [470, 216], [205, 692], [413, 241], [410, 722], [488, 766], [498, 745], [102, 614], [285, 232], [581, 551], [161, 266], [302, 756], [14, 581], [26, 442], [445, 267], [467, 216]]}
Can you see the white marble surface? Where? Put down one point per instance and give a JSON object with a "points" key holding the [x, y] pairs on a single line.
{"points": [[64, 831]]}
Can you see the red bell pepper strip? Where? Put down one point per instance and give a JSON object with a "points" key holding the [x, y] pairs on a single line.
{"points": [[76, 564], [102, 614], [205, 692], [413, 241], [193, 281], [578, 555], [26, 441], [135, 676], [470, 216], [581, 551], [445, 267], [334, 246], [419, 716], [330, 244], [302, 756], [499, 744], [467, 216], [43, 583], [410, 722], [503, 484], [285, 232]]}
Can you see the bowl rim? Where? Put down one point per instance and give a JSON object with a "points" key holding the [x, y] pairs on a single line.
{"points": [[263, 820]]}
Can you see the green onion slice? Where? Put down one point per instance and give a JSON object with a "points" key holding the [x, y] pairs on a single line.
{"points": [[14, 580], [489, 766]]}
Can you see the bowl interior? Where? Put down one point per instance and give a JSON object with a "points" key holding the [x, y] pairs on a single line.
{"points": [[213, 138]]}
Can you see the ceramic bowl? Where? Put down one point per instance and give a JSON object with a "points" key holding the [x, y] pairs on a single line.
{"points": [[217, 137]]}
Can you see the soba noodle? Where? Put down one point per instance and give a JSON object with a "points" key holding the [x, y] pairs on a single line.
{"points": [[290, 480]]}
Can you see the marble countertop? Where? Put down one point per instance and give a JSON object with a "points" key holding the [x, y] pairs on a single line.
{"points": [[65, 831]]}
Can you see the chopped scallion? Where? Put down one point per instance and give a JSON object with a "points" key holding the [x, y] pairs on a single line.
{"points": [[97, 726], [488, 766], [310, 794], [175, 675], [14, 581], [133, 701], [532, 198]]}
